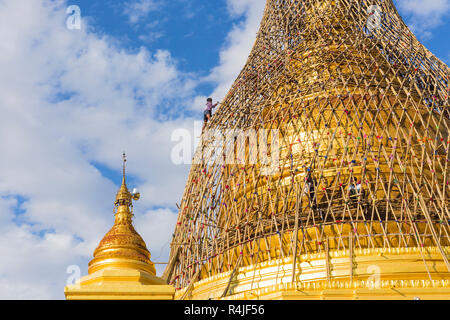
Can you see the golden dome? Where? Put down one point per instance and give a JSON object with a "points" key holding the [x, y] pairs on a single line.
{"points": [[122, 246]]}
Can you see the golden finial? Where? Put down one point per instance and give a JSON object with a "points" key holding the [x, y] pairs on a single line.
{"points": [[122, 245], [124, 196], [124, 157]]}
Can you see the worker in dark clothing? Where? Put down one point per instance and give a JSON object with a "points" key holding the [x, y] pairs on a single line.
{"points": [[311, 185], [356, 189]]}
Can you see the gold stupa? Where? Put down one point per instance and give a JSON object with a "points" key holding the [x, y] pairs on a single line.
{"points": [[121, 267], [122, 245], [356, 205]]}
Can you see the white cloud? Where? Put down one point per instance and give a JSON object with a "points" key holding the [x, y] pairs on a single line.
{"points": [[156, 227], [425, 8], [33, 267], [424, 15], [150, 37], [138, 9], [238, 44]]}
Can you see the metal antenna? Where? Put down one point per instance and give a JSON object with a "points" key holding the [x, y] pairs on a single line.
{"points": [[124, 157]]}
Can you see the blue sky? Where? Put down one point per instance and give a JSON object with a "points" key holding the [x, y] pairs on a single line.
{"points": [[194, 31], [73, 100]]}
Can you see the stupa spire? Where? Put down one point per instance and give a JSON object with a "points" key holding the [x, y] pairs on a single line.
{"points": [[121, 268], [122, 245], [124, 160]]}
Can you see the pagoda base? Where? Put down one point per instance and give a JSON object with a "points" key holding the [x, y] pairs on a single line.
{"points": [[120, 284], [369, 274]]}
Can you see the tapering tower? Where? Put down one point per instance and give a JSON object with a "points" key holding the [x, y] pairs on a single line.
{"points": [[121, 267], [351, 199]]}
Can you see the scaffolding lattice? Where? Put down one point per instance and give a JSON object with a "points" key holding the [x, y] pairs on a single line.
{"points": [[361, 110]]}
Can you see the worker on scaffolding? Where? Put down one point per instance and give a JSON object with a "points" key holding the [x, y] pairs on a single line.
{"points": [[356, 189], [208, 112], [310, 188], [358, 194]]}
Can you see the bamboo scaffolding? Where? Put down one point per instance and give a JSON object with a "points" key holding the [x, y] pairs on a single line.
{"points": [[362, 112]]}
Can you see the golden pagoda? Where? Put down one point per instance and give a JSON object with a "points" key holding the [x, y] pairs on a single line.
{"points": [[121, 268], [356, 204]]}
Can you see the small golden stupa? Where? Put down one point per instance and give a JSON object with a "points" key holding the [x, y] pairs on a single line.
{"points": [[121, 268]]}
